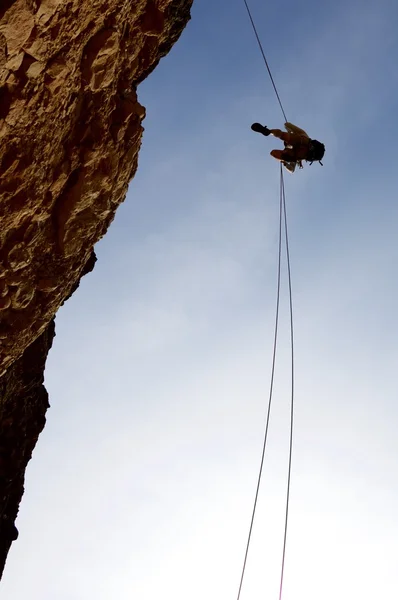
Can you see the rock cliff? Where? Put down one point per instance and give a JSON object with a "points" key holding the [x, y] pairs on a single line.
{"points": [[70, 133]]}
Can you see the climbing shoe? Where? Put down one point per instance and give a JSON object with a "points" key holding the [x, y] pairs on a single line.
{"points": [[258, 128]]}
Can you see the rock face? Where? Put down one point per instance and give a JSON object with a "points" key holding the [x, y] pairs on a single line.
{"points": [[70, 132], [24, 402]]}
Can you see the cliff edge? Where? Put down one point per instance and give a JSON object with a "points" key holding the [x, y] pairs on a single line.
{"points": [[70, 133]]}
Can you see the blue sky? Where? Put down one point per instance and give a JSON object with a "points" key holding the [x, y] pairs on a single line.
{"points": [[142, 482]]}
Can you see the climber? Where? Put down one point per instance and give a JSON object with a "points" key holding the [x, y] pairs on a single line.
{"points": [[298, 145]]}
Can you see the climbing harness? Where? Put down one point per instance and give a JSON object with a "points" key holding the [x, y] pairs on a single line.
{"points": [[283, 232]]}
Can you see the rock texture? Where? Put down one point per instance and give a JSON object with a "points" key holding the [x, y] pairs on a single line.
{"points": [[24, 402], [70, 132]]}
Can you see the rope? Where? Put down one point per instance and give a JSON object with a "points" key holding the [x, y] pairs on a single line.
{"points": [[265, 58], [283, 201], [269, 397], [282, 217]]}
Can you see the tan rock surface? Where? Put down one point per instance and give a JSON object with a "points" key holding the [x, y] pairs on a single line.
{"points": [[70, 133]]}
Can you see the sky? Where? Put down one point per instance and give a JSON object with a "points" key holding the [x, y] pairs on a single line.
{"points": [[142, 483]]}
